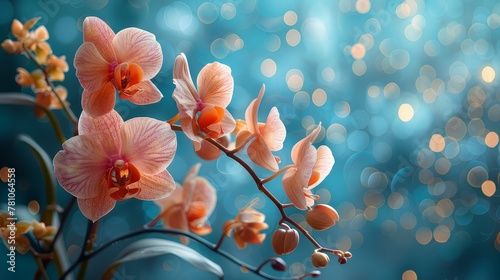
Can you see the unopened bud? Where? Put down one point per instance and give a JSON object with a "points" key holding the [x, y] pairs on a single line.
{"points": [[208, 151], [322, 217], [348, 254], [285, 241], [342, 260], [320, 259]]}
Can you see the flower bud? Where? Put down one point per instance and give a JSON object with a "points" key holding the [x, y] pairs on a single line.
{"points": [[208, 151], [319, 259], [322, 217], [285, 241]]}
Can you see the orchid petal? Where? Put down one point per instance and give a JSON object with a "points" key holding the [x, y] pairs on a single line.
{"points": [[92, 69], [134, 45], [156, 186], [99, 102], [182, 77], [191, 174], [324, 164], [204, 192], [148, 144], [225, 125], [81, 166], [242, 137], [97, 32], [147, 93], [41, 33], [189, 126], [105, 129], [293, 186], [175, 197], [274, 132], [251, 114], [215, 84], [260, 154], [175, 218], [303, 145], [96, 207]]}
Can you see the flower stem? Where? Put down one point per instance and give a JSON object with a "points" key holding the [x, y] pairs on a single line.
{"points": [[41, 268], [88, 246]]}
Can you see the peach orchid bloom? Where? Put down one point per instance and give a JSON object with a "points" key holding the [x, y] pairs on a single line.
{"points": [[22, 243], [268, 136], [48, 99], [247, 226], [34, 40], [56, 66], [310, 168], [112, 160], [126, 62], [189, 206], [203, 109]]}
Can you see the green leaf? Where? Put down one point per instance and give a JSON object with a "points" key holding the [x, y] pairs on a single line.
{"points": [[48, 174], [28, 100], [153, 247]]}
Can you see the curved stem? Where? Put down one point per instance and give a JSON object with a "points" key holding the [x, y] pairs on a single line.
{"points": [[87, 246], [41, 268], [174, 119], [169, 231]]}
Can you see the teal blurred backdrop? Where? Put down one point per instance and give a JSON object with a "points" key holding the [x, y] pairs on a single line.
{"points": [[405, 90]]}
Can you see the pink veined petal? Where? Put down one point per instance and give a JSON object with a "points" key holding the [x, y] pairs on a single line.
{"points": [[134, 45], [303, 145], [274, 132], [307, 163], [294, 188], [148, 144], [260, 154], [225, 125], [176, 197], [186, 103], [251, 114], [104, 129], [99, 102], [96, 207], [215, 84], [81, 166], [182, 76], [147, 93], [189, 127], [204, 192], [92, 69], [97, 32], [324, 164], [108, 122], [156, 186]]}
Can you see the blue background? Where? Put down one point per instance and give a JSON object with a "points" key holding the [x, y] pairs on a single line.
{"points": [[402, 205]]}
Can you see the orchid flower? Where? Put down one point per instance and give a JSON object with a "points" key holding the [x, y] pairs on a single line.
{"points": [[189, 205], [268, 136], [126, 62], [310, 168], [203, 110], [112, 160], [247, 226]]}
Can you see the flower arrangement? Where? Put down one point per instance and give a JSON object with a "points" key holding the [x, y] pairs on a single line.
{"points": [[109, 159]]}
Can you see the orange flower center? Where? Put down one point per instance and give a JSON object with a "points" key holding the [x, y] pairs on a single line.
{"points": [[120, 176], [208, 116], [127, 74], [314, 177]]}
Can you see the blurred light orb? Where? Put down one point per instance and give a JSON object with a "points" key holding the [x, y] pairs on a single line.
{"points": [[301, 100], [33, 207], [328, 74], [138, 3], [342, 109], [359, 67], [228, 11], [272, 43], [218, 48], [336, 133], [405, 112], [319, 97], [477, 176], [268, 67], [363, 6], [178, 16], [208, 12], [290, 18], [293, 37], [491, 139], [488, 188], [399, 59], [314, 29], [437, 143], [423, 236], [488, 74], [358, 51]]}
